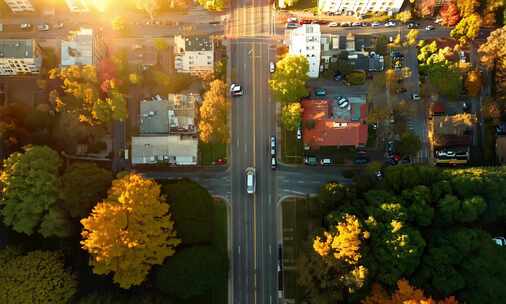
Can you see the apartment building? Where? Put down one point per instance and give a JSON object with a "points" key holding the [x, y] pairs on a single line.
{"points": [[83, 47], [359, 7], [19, 6], [77, 6], [193, 54], [305, 40], [19, 56]]}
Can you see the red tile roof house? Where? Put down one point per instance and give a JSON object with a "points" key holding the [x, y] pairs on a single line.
{"points": [[338, 122]]}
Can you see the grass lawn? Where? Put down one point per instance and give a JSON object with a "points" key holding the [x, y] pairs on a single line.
{"points": [[297, 225], [219, 295], [292, 150], [340, 155], [209, 153]]}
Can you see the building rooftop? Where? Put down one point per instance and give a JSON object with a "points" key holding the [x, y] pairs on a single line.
{"points": [[337, 122], [182, 112], [79, 49], [172, 149], [16, 48]]}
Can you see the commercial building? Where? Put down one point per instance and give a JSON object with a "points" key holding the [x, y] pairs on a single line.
{"points": [[20, 6], [359, 7], [77, 6], [305, 41], [84, 47], [193, 54], [168, 132], [19, 56], [335, 122]]}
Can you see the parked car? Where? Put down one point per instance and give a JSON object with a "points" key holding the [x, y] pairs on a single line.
{"points": [[292, 19], [43, 27], [338, 76], [272, 67], [376, 24], [326, 161], [320, 92], [429, 27], [345, 24], [500, 241], [299, 133], [415, 97], [59, 25], [26, 26], [250, 180], [400, 90], [274, 162], [466, 107], [305, 21], [310, 160], [214, 22], [390, 23], [321, 22], [333, 24], [273, 145], [438, 20], [366, 24], [354, 24], [413, 25], [361, 160], [292, 25], [236, 90]]}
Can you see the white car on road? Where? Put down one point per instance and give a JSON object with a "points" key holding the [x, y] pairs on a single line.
{"points": [[43, 27], [272, 67], [250, 180], [333, 24], [415, 96], [236, 90]]}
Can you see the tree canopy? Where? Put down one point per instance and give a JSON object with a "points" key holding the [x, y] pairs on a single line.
{"points": [[288, 82], [493, 55], [192, 271], [449, 14], [83, 186], [214, 5], [467, 29], [31, 185], [291, 116], [130, 231], [38, 276], [213, 123]]}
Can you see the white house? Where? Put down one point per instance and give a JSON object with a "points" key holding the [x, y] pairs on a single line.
{"points": [[193, 54], [305, 40], [19, 6], [19, 56], [359, 7]]}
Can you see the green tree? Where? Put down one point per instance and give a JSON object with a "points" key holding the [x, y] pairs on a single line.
{"points": [[160, 43], [213, 5], [409, 144], [381, 46], [291, 116], [452, 210], [119, 24], [37, 277], [288, 83], [213, 123], [83, 186], [192, 206], [447, 80], [467, 29], [30, 191], [201, 267], [135, 220]]}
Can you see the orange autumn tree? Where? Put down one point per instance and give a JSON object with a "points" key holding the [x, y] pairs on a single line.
{"points": [[405, 294], [130, 231]]}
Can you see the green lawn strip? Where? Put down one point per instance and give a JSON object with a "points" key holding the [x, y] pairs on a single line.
{"points": [[291, 149], [340, 155], [296, 221], [209, 153]]}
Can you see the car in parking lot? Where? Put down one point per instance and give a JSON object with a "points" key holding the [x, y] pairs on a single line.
{"points": [[274, 162], [310, 160], [326, 161], [299, 133], [250, 180], [415, 96], [43, 27], [272, 67], [466, 107], [273, 145], [376, 24], [413, 25], [292, 25], [390, 23], [320, 92], [400, 90], [235, 90], [356, 24], [429, 27], [333, 24], [500, 241]]}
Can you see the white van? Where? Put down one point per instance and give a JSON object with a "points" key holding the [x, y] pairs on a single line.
{"points": [[250, 180]]}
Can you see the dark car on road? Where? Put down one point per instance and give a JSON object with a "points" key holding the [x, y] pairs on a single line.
{"points": [[310, 160], [413, 25], [361, 160], [320, 92]]}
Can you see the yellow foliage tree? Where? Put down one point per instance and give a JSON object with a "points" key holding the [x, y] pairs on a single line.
{"points": [[344, 244], [213, 123], [129, 231], [405, 294]]}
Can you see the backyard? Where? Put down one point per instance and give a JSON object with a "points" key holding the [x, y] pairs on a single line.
{"points": [[209, 154]]}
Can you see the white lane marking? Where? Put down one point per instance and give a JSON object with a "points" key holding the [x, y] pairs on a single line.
{"points": [[270, 250], [239, 249], [245, 147], [270, 200], [270, 299], [237, 143]]}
